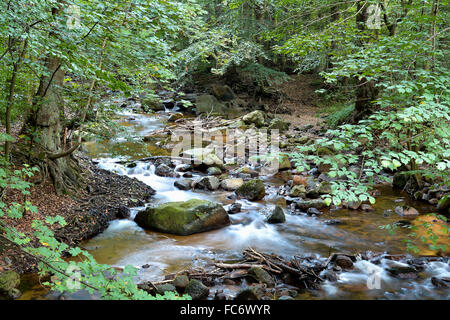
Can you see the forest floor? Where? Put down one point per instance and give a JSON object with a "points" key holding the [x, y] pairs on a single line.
{"points": [[300, 101]]}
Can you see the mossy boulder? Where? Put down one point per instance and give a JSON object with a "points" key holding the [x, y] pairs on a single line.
{"points": [[252, 190], [197, 290], [284, 163], [184, 218], [152, 104], [297, 191], [9, 280], [324, 151], [163, 288], [255, 117], [279, 124], [181, 282]]}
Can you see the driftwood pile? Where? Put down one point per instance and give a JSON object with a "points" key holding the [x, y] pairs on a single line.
{"points": [[299, 272]]}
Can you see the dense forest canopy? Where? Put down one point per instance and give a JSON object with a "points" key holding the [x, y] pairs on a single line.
{"points": [[384, 62]]}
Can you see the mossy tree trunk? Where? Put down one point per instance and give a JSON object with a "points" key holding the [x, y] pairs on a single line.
{"points": [[45, 122]]}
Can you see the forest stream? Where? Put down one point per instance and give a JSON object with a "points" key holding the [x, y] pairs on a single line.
{"points": [[156, 254]]}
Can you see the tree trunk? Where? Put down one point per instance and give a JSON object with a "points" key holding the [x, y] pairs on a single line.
{"points": [[45, 122], [366, 91]]}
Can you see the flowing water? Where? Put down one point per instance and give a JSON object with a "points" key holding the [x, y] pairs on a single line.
{"points": [[125, 243]]}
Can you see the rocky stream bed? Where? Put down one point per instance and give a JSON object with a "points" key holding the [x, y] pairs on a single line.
{"points": [[225, 230]]}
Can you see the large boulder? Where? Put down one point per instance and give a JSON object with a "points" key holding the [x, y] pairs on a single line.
{"points": [[252, 190], [164, 170], [207, 183], [152, 104], [255, 117], [232, 184], [184, 218], [223, 93], [276, 215], [279, 124], [9, 280], [207, 103], [183, 184]]}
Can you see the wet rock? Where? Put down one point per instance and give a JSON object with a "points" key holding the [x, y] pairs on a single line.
{"points": [[14, 294], [214, 171], [210, 183], [181, 282], [184, 218], [279, 124], [261, 276], [306, 204], [330, 275], [123, 212], [176, 116], [183, 167], [252, 190], [344, 262], [187, 175], [247, 171], [406, 211], [197, 290], [313, 211], [246, 294], [276, 216], [332, 222], [232, 184], [152, 104], [163, 288], [164, 170], [366, 207], [219, 295], [284, 175], [235, 208], [255, 117], [9, 280], [401, 271], [183, 184], [324, 188], [441, 282], [297, 191], [354, 205]]}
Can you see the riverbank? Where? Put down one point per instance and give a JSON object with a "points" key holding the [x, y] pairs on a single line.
{"points": [[103, 197]]}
